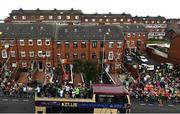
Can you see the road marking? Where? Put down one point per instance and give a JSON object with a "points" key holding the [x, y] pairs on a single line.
{"points": [[4, 99], [142, 104], [150, 104], [170, 105], [15, 99], [25, 100]]}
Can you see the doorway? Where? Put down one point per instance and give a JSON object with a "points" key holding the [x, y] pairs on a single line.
{"points": [[40, 66]]}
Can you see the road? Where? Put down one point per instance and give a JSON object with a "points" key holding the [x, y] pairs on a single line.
{"points": [[26, 105], [143, 107]]}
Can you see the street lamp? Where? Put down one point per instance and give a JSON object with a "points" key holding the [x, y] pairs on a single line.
{"points": [[102, 64]]}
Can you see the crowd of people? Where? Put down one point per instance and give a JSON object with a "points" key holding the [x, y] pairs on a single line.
{"points": [[161, 85], [55, 89]]}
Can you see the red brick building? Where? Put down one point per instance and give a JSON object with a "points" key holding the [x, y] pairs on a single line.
{"points": [[174, 53], [40, 45]]}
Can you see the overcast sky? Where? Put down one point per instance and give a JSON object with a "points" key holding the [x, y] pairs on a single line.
{"points": [[167, 8]]}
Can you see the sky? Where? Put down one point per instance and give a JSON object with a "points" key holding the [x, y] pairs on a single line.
{"points": [[167, 8]]}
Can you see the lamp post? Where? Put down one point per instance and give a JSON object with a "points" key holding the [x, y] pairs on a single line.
{"points": [[102, 64]]}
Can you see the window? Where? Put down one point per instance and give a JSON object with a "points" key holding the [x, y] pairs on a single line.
{"points": [[101, 44], [132, 42], [86, 20], [23, 17], [100, 20], [48, 53], [13, 53], [50, 17], [23, 54], [21, 42], [14, 17], [14, 65], [128, 20], [122, 20], [75, 44], [93, 20], [146, 22], [94, 55], [134, 21], [41, 17], [134, 34], [76, 17], [39, 42], [83, 44], [94, 44], [75, 56], [83, 55], [107, 20], [129, 34], [31, 54], [118, 55], [3, 42], [110, 55], [48, 64], [47, 42], [59, 17], [11, 42], [67, 44], [114, 20], [24, 64], [67, 55], [68, 17], [164, 21], [58, 44], [158, 22], [40, 54], [30, 42], [4, 53], [111, 44], [119, 44], [152, 21]]}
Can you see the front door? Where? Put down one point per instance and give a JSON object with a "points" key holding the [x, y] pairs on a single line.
{"points": [[40, 66]]}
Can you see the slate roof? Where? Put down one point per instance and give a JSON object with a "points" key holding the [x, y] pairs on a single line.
{"points": [[133, 28], [26, 30], [88, 32], [107, 15], [44, 12], [149, 18]]}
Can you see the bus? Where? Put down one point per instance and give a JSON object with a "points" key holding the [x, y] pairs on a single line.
{"points": [[106, 98]]}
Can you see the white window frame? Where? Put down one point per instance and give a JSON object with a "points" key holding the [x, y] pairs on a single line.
{"points": [[100, 20], [111, 44], [86, 20], [31, 53], [76, 17], [50, 17], [14, 65], [48, 53], [40, 54], [107, 20], [13, 53], [68, 17], [110, 55], [115, 20], [41, 17], [4, 53], [47, 43], [39, 42], [59, 17], [21, 42], [119, 44], [122, 20], [14, 17], [24, 17], [128, 34], [30, 43], [93, 20], [48, 64], [24, 64], [23, 54]]}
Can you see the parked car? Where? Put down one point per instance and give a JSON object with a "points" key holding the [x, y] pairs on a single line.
{"points": [[143, 59], [128, 58]]}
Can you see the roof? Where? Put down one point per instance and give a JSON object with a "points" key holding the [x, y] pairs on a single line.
{"points": [[11, 30], [133, 28], [109, 89], [88, 32], [44, 12], [107, 15], [149, 18]]}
